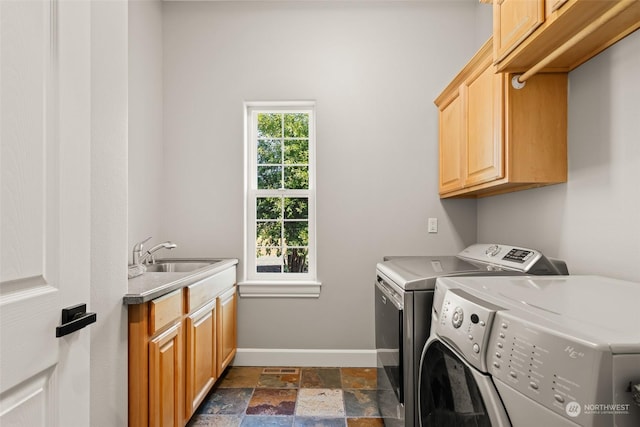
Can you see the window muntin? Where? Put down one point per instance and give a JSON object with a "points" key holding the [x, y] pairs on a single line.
{"points": [[280, 208]]}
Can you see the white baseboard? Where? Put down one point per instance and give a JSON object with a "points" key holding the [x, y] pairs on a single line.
{"points": [[304, 358]]}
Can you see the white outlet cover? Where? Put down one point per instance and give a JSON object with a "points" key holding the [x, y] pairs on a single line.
{"points": [[433, 225]]}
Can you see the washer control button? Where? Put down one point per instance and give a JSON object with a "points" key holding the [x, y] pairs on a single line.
{"points": [[513, 374], [476, 348], [457, 317], [533, 385]]}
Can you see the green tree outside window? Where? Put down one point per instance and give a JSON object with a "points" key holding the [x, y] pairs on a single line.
{"points": [[282, 229]]}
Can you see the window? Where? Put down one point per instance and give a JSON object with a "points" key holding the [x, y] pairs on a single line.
{"points": [[280, 188]]}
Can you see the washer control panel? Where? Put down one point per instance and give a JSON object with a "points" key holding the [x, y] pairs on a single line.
{"points": [[465, 322], [554, 370]]}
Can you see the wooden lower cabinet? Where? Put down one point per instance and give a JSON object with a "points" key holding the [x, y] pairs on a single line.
{"points": [[179, 345], [166, 379], [227, 328], [201, 348]]}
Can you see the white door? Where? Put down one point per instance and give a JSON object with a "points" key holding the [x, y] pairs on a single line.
{"points": [[44, 210]]}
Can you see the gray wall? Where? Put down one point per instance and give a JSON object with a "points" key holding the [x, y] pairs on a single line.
{"points": [[374, 69], [592, 221], [145, 121]]}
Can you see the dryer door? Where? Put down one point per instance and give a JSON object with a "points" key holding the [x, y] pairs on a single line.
{"points": [[454, 394]]}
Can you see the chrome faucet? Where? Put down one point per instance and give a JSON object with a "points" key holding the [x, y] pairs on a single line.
{"points": [[140, 257]]}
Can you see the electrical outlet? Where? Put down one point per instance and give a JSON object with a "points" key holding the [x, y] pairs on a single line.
{"points": [[432, 225]]}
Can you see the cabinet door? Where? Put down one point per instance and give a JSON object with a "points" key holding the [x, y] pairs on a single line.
{"points": [[201, 355], [513, 21], [553, 5], [484, 150], [166, 379], [227, 309], [452, 135]]}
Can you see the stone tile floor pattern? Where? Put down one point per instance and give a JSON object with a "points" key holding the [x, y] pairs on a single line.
{"points": [[292, 397]]}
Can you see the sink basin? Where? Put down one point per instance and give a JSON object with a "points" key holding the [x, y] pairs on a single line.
{"points": [[179, 266]]}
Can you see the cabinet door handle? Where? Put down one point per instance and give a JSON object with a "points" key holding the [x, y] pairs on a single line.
{"points": [[74, 318]]}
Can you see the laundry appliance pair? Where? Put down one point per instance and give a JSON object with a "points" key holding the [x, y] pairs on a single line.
{"points": [[404, 292]]}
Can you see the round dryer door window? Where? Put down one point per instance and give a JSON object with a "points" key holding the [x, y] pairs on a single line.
{"points": [[449, 395]]}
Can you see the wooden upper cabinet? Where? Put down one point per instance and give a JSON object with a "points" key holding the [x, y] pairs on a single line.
{"points": [[553, 5], [484, 143], [452, 142], [514, 21], [496, 138], [558, 34]]}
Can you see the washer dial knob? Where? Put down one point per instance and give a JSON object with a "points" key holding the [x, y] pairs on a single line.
{"points": [[457, 317], [492, 250]]}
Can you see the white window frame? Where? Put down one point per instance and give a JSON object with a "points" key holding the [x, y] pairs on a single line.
{"points": [[263, 284]]}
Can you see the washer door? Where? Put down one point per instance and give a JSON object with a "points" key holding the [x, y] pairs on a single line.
{"points": [[453, 394]]}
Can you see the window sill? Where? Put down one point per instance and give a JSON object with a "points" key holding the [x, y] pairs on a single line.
{"points": [[279, 289]]}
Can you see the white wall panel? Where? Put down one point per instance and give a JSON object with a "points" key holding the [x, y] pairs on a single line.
{"points": [[109, 103]]}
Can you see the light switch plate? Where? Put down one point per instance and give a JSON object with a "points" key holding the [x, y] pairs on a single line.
{"points": [[432, 225]]}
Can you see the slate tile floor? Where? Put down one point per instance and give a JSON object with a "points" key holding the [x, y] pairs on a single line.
{"points": [[292, 397]]}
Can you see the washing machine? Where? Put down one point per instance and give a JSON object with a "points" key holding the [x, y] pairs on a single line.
{"points": [[532, 351], [403, 298]]}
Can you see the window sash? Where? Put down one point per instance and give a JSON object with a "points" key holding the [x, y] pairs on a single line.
{"points": [[253, 193]]}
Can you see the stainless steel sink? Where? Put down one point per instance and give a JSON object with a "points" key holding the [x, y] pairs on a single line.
{"points": [[180, 265]]}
